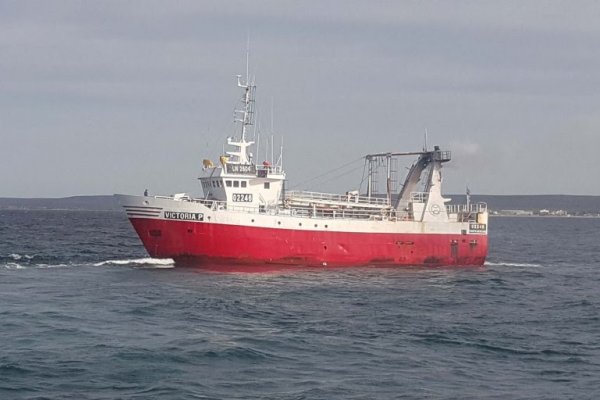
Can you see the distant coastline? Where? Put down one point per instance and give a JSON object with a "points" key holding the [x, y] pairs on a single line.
{"points": [[73, 203], [539, 205], [499, 205], [545, 216]]}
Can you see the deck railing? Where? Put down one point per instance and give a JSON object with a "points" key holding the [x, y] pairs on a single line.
{"points": [[419, 197], [264, 170], [352, 198], [466, 208], [318, 213], [462, 210]]}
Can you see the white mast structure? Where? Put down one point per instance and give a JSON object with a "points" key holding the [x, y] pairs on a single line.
{"points": [[245, 116]]}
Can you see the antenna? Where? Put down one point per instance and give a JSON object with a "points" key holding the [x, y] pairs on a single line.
{"points": [[258, 146], [425, 142], [245, 115], [248, 59], [281, 154], [272, 101]]}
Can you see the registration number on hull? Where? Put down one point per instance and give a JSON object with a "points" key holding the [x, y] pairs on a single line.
{"points": [[477, 227], [242, 197]]}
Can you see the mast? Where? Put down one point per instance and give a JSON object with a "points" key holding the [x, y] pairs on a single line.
{"points": [[370, 176], [281, 154], [244, 116], [388, 159]]}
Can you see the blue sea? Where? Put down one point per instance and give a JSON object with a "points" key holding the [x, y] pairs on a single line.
{"points": [[86, 314]]}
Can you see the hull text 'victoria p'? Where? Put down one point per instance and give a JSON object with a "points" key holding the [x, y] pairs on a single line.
{"points": [[247, 216]]}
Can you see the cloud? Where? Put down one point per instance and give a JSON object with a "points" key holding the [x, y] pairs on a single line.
{"points": [[509, 87]]}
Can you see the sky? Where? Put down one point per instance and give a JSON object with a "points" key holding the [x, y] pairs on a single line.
{"points": [[110, 97]]}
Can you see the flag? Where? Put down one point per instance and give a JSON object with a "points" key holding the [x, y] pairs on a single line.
{"points": [[468, 199]]}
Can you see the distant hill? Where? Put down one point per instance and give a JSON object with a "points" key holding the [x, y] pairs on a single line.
{"points": [[572, 204], [99, 203]]}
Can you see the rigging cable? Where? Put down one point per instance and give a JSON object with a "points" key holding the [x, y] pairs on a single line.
{"points": [[341, 175], [363, 175], [325, 173]]}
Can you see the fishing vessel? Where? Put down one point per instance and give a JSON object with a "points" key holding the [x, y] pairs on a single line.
{"points": [[247, 216]]}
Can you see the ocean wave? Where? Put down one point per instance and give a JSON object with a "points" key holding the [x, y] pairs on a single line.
{"points": [[18, 257], [19, 261], [511, 264], [14, 265], [140, 262]]}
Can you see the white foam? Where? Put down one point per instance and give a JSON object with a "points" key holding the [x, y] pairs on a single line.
{"points": [[509, 264], [153, 262], [12, 265], [52, 265], [18, 257]]}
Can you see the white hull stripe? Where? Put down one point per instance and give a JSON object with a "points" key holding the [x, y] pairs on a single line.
{"points": [[142, 211], [141, 214]]}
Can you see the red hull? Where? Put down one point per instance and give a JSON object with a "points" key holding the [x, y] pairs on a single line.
{"points": [[198, 243]]}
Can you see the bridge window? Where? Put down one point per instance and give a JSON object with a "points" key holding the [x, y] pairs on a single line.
{"points": [[236, 183], [243, 183], [228, 183], [267, 185]]}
